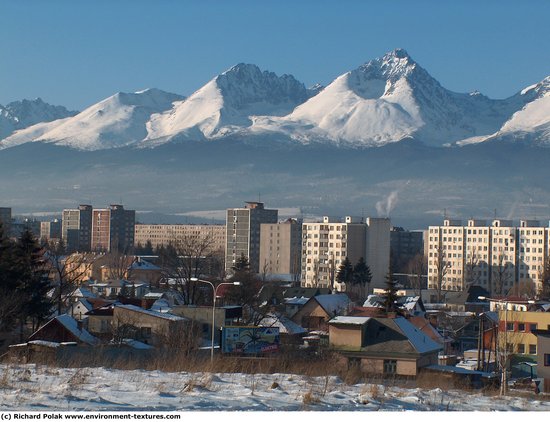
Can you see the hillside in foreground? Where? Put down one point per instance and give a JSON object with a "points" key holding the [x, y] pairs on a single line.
{"points": [[46, 389]]}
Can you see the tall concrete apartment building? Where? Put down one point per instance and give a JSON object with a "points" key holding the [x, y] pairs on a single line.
{"points": [[113, 229], [164, 234], [5, 219], [76, 228], [281, 249], [404, 246], [87, 229], [50, 230], [326, 244], [497, 257], [243, 233]]}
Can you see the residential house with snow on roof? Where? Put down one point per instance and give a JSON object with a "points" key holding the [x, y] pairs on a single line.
{"points": [[318, 310], [384, 346]]}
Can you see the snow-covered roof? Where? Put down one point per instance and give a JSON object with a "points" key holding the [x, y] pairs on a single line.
{"points": [[334, 303], [71, 325], [153, 295], [404, 302], [349, 320], [420, 341], [285, 325], [83, 292], [142, 264], [167, 316], [296, 300], [161, 305], [45, 343]]}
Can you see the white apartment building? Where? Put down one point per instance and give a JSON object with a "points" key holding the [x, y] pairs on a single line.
{"points": [[326, 244], [496, 256]]}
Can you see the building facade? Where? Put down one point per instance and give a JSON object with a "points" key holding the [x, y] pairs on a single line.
{"points": [[76, 228], [165, 234], [326, 244], [281, 248], [113, 229], [404, 246], [243, 233], [50, 230], [497, 256]]}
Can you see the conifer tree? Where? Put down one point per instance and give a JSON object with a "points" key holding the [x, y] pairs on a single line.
{"points": [[362, 275], [345, 272], [390, 296]]}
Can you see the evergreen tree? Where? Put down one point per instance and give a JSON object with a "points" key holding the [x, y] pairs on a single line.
{"points": [[32, 281], [11, 299], [148, 248], [362, 276], [390, 296], [345, 272], [241, 264]]}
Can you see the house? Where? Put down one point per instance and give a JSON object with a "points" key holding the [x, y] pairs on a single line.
{"points": [[543, 357], [289, 331], [64, 329], [154, 328], [143, 271], [385, 346], [202, 316], [318, 310], [114, 288], [79, 309], [100, 321], [410, 305]]}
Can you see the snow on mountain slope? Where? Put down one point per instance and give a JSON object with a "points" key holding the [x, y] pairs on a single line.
{"points": [[21, 114], [386, 100], [531, 121], [114, 122], [224, 105]]}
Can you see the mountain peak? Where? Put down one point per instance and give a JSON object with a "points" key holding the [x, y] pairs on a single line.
{"points": [[398, 53]]}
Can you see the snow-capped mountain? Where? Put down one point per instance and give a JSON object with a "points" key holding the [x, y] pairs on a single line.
{"points": [[386, 100], [226, 104], [116, 121], [531, 123], [21, 114]]}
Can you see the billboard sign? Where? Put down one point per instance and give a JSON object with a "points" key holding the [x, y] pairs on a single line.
{"points": [[250, 340]]}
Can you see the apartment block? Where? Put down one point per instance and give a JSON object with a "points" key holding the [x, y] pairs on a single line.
{"points": [[50, 230], [281, 248], [404, 246], [326, 244], [113, 229], [164, 234], [76, 228], [497, 257], [243, 233]]}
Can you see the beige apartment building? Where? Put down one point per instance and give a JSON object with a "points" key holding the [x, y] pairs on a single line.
{"points": [[326, 244], [281, 249], [496, 256], [164, 234]]}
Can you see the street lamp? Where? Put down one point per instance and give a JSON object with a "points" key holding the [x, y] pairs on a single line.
{"points": [[215, 294], [503, 363]]}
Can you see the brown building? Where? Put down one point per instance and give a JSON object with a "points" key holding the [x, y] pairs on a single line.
{"points": [[165, 234], [113, 229], [281, 248], [385, 346], [318, 310]]}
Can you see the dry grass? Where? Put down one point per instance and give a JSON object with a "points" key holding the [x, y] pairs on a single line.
{"points": [[310, 398]]}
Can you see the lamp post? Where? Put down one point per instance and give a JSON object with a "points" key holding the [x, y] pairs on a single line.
{"points": [[215, 294], [504, 361]]}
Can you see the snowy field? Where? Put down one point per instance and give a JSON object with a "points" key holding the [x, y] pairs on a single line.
{"points": [[46, 389]]}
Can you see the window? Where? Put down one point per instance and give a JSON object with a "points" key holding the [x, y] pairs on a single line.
{"points": [[546, 359], [390, 366], [521, 348], [510, 326], [532, 327], [521, 326], [532, 349]]}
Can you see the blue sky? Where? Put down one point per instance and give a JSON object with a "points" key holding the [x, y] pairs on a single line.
{"points": [[76, 53]]}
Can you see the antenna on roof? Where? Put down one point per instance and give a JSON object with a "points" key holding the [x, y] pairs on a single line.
{"points": [[445, 213], [259, 197]]}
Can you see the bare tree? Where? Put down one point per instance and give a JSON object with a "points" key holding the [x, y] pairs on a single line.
{"points": [[67, 272], [472, 268], [441, 267], [418, 268], [502, 273], [118, 265], [545, 278], [186, 261]]}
